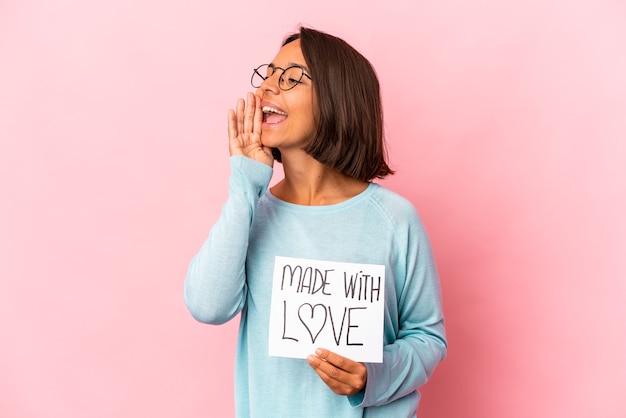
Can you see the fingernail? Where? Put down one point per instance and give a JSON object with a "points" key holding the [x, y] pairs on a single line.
{"points": [[318, 351], [310, 359]]}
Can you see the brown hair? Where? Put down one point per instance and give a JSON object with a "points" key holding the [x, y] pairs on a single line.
{"points": [[349, 135]]}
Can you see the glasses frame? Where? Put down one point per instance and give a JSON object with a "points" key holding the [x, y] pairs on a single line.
{"points": [[280, 78]]}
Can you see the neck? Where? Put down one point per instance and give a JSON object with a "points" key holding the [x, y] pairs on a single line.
{"points": [[308, 182]]}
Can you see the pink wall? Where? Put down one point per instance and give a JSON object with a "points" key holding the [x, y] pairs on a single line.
{"points": [[506, 124]]}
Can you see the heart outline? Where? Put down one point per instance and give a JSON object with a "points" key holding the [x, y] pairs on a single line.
{"points": [[312, 308]]}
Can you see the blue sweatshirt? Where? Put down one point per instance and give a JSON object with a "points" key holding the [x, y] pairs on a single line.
{"points": [[233, 270]]}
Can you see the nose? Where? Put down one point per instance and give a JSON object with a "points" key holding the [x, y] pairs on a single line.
{"points": [[270, 84]]}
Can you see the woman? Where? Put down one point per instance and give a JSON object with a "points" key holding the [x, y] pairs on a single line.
{"points": [[317, 110]]}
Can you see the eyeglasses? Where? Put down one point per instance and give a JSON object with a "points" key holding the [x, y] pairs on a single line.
{"points": [[289, 78]]}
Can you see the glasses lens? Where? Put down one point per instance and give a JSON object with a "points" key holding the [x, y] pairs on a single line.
{"points": [[260, 74], [291, 78]]}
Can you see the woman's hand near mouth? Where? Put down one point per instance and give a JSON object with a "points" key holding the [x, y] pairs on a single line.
{"points": [[244, 131]]}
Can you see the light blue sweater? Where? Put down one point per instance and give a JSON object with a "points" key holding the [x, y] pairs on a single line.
{"points": [[232, 274]]}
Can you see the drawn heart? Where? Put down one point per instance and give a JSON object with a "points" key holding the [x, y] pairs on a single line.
{"points": [[315, 321]]}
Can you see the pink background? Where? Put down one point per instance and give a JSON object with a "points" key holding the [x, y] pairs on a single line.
{"points": [[506, 123]]}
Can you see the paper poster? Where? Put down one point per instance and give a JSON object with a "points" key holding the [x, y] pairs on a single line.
{"points": [[338, 306]]}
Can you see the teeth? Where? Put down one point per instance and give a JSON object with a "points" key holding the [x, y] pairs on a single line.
{"points": [[268, 109]]}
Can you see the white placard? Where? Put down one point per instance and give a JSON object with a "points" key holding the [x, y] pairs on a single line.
{"points": [[338, 306]]}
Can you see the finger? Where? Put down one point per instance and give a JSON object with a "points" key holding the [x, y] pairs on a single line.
{"points": [[248, 123], [326, 370], [232, 124], [258, 117], [338, 361], [337, 380], [240, 109]]}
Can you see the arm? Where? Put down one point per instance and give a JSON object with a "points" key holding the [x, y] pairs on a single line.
{"points": [[215, 288], [419, 344], [409, 361]]}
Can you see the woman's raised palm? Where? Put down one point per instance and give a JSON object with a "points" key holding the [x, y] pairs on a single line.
{"points": [[244, 131]]}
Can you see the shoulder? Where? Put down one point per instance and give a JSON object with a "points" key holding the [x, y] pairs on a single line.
{"points": [[399, 211], [394, 204]]}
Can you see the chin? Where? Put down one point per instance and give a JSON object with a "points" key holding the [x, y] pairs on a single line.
{"points": [[267, 142], [269, 138]]}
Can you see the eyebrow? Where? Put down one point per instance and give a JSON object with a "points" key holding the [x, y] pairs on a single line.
{"points": [[293, 64]]}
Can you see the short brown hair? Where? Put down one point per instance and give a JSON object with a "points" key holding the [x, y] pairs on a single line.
{"points": [[349, 135]]}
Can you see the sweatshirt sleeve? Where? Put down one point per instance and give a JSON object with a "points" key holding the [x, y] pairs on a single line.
{"points": [[215, 286], [420, 340]]}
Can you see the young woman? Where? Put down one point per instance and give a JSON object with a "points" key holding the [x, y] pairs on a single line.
{"points": [[317, 110]]}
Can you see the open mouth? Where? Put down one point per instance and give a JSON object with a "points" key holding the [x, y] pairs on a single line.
{"points": [[272, 115]]}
